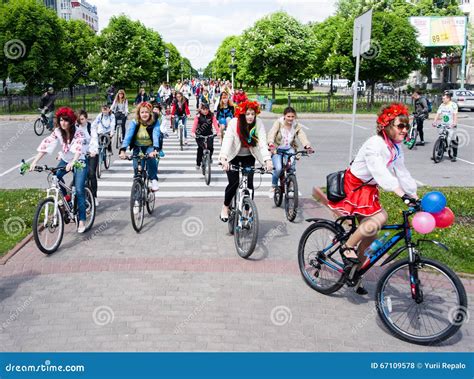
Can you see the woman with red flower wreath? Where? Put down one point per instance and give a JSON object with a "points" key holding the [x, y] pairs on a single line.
{"points": [[73, 144], [244, 142], [379, 162]]}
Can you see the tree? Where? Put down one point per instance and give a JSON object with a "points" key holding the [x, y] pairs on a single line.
{"points": [[31, 37], [223, 58], [275, 50]]}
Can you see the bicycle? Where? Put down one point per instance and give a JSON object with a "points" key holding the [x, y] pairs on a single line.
{"points": [[41, 123], [409, 291], [103, 153], [243, 215], [120, 117], [441, 145], [206, 158], [288, 185], [57, 209], [181, 127], [412, 135], [141, 194]]}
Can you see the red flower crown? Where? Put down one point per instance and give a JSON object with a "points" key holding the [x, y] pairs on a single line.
{"points": [[388, 114], [66, 113], [242, 107]]}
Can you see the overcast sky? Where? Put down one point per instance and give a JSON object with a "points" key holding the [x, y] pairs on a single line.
{"points": [[197, 27]]}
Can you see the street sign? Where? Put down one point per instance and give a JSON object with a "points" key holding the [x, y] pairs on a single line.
{"points": [[362, 25], [233, 66]]}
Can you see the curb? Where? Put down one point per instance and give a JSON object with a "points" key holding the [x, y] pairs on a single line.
{"points": [[20, 245]]}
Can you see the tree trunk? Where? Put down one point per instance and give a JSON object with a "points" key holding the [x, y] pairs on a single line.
{"points": [[372, 94], [71, 92], [273, 91], [330, 88]]}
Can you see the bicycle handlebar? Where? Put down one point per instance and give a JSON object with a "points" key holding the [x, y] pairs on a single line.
{"points": [[139, 156], [206, 137]]}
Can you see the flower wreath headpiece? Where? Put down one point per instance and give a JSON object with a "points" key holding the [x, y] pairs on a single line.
{"points": [[391, 112], [242, 107]]}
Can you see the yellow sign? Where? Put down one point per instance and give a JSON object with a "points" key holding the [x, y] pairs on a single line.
{"points": [[440, 31]]}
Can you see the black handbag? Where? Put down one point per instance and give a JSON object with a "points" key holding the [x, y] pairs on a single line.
{"points": [[335, 186]]}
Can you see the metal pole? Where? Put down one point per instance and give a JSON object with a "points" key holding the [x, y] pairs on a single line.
{"points": [[356, 85], [167, 70], [463, 62], [232, 73]]}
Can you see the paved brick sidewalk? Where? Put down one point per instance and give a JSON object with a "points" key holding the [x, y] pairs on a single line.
{"points": [[180, 285]]}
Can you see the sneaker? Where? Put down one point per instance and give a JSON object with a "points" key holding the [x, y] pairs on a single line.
{"points": [[185, 141], [154, 185], [161, 153], [453, 159], [136, 207], [198, 167], [96, 201], [421, 143], [81, 228]]}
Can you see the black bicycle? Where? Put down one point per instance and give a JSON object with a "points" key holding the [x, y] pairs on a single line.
{"points": [[119, 127], [243, 214], [41, 123], [56, 210], [419, 299], [441, 145], [288, 187], [141, 196], [103, 153], [206, 157], [412, 135]]}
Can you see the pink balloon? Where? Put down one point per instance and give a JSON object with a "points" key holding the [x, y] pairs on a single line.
{"points": [[444, 219], [424, 222]]}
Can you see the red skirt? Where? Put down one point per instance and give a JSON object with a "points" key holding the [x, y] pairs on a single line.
{"points": [[364, 201]]}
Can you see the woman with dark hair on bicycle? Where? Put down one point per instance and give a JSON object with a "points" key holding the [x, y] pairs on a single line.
{"points": [[244, 142], [143, 136], [203, 124], [379, 162], [120, 109], [91, 145], [224, 110], [283, 137], [180, 111], [72, 141]]}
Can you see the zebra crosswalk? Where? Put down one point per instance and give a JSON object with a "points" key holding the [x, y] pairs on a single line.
{"points": [[177, 175]]}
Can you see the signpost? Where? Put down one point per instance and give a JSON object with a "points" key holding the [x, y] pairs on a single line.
{"points": [[360, 45]]}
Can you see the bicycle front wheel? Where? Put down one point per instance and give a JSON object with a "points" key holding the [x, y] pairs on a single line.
{"points": [[107, 158], [181, 142], [48, 226], [291, 198], [137, 208], [38, 127], [436, 316], [99, 165], [231, 220], [246, 228], [90, 209], [412, 137], [206, 164], [319, 258], [150, 198], [438, 150]]}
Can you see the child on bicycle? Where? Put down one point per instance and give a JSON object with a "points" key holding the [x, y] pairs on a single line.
{"points": [[72, 142], [283, 137], [448, 115], [143, 136], [379, 162], [224, 110], [203, 124], [105, 124]]}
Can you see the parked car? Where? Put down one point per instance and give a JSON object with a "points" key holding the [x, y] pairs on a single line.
{"points": [[385, 88], [463, 98]]}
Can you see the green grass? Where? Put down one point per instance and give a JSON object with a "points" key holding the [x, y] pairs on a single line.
{"points": [[17, 208], [459, 237]]}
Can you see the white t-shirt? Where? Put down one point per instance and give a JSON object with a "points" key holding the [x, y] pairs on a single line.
{"points": [[446, 113]]}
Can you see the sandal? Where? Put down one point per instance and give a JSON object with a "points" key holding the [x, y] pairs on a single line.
{"points": [[351, 260]]}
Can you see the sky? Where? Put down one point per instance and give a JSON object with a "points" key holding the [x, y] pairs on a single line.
{"points": [[197, 27]]}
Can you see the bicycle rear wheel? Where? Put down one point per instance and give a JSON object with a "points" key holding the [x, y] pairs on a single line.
{"points": [[439, 313], [438, 150], [246, 228], [48, 226], [38, 127], [150, 198], [319, 258], [137, 208], [291, 198]]}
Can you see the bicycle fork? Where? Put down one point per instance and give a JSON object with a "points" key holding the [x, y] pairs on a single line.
{"points": [[54, 193], [416, 292]]}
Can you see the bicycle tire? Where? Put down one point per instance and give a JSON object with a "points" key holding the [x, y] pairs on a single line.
{"points": [[313, 279], [291, 200], [413, 137], [99, 165], [278, 196], [230, 221], [137, 195], [246, 252], [454, 324], [438, 150], [450, 149], [118, 138], [150, 198], [181, 142], [107, 159], [38, 127], [37, 225], [90, 209], [207, 169]]}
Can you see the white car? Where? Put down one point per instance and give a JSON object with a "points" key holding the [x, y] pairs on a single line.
{"points": [[463, 98]]}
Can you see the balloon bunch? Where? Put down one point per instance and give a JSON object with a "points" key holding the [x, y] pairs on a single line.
{"points": [[435, 213]]}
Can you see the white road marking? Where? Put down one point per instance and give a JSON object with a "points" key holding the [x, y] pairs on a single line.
{"points": [[359, 126], [16, 167]]}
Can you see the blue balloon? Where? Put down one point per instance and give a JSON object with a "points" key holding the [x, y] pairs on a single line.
{"points": [[433, 202]]}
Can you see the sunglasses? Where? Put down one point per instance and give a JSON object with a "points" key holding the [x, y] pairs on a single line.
{"points": [[402, 126]]}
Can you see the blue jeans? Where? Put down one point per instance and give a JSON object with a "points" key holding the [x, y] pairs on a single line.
{"points": [[80, 177], [176, 121], [224, 121], [277, 160], [151, 164]]}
